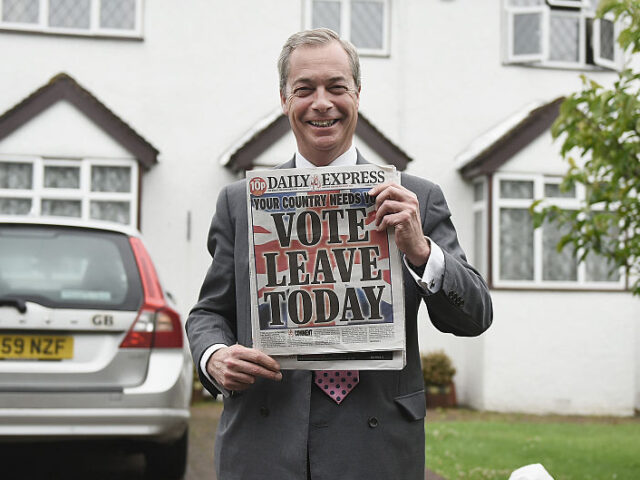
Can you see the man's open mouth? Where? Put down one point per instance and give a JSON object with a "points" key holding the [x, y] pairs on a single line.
{"points": [[323, 123]]}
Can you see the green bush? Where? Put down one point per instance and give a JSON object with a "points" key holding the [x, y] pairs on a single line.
{"points": [[437, 368]]}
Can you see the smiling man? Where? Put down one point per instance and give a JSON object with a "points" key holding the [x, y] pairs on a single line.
{"points": [[279, 424]]}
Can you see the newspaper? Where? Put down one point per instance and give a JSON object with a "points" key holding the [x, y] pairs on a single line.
{"points": [[323, 280], [383, 360]]}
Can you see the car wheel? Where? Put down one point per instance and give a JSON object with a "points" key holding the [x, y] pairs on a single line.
{"points": [[167, 460]]}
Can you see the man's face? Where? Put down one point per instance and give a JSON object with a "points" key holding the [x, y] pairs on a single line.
{"points": [[321, 101]]}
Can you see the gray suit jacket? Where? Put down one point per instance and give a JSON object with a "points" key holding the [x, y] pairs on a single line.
{"points": [[267, 431]]}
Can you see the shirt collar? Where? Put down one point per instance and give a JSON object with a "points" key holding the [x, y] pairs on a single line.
{"points": [[347, 159]]}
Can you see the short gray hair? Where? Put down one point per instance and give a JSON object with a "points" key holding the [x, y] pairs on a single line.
{"points": [[317, 36]]}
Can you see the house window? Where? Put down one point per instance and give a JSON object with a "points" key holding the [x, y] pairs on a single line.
{"points": [[559, 33], [480, 226], [528, 257], [363, 22], [120, 18], [87, 189]]}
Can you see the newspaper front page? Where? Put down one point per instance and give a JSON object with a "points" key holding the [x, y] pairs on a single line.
{"points": [[323, 279]]}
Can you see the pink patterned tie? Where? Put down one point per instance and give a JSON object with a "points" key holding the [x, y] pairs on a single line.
{"points": [[336, 383]]}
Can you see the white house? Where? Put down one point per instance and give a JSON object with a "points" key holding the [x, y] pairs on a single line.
{"points": [[139, 111]]}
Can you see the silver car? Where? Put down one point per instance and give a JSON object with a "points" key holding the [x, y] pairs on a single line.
{"points": [[90, 346]]}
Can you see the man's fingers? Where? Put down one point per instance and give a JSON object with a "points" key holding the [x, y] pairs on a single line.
{"points": [[237, 367], [257, 357]]}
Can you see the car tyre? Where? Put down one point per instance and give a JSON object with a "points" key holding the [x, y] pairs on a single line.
{"points": [[167, 460]]}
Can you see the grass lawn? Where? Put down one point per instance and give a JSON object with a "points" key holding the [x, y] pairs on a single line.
{"points": [[468, 445]]}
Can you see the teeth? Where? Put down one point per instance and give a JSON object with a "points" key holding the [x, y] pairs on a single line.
{"points": [[325, 123]]}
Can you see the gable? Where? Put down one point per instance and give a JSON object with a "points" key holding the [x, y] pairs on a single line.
{"points": [[62, 131], [63, 88], [493, 150], [271, 142]]}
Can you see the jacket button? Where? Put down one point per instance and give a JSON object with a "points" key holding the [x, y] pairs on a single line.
{"points": [[264, 411], [373, 422]]}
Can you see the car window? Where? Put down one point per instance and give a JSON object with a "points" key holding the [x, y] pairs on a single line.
{"points": [[68, 267]]}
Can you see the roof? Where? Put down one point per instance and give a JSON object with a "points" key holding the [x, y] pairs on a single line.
{"points": [[267, 131], [64, 87], [490, 151]]}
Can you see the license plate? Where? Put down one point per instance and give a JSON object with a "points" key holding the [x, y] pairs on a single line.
{"points": [[36, 347]]}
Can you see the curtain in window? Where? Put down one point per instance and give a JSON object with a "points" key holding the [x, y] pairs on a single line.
{"points": [[366, 24], [478, 240], [61, 208], [326, 14], [70, 13], [516, 189], [556, 265], [15, 206], [16, 175], [516, 244], [526, 3], [110, 211], [20, 11], [598, 269], [564, 38], [61, 177], [120, 14], [110, 179]]}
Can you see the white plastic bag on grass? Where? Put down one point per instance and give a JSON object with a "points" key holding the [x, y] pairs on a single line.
{"points": [[534, 471]]}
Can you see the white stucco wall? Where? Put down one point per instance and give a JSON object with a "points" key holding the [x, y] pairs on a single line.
{"points": [[205, 73]]}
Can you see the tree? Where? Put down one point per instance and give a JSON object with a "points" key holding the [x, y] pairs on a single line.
{"points": [[600, 132]]}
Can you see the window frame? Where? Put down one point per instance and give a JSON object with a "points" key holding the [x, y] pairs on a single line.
{"points": [[618, 59], [538, 283], [345, 24], [83, 193], [94, 29], [481, 262], [584, 10]]}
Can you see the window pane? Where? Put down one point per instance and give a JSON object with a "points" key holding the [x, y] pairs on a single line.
{"points": [[516, 189], [564, 38], [367, 24], [15, 206], [607, 40], [119, 14], [16, 175], [516, 244], [20, 11], [557, 265], [478, 241], [599, 269], [525, 3], [61, 208], [70, 13], [110, 211], [478, 191], [110, 179], [326, 14], [527, 35], [61, 177], [552, 190]]}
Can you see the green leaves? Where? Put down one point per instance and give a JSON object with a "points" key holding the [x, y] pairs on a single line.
{"points": [[600, 133]]}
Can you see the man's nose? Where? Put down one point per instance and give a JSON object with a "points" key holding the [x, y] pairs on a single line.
{"points": [[322, 100]]}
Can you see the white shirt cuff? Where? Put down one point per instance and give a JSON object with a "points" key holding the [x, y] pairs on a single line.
{"points": [[203, 367], [431, 280]]}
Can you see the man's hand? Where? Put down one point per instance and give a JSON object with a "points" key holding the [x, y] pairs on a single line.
{"points": [[398, 207], [236, 367]]}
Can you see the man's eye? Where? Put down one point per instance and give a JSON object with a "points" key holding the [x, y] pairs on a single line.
{"points": [[337, 89], [301, 91]]}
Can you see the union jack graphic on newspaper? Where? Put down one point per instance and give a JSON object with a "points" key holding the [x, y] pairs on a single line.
{"points": [[331, 273]]}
